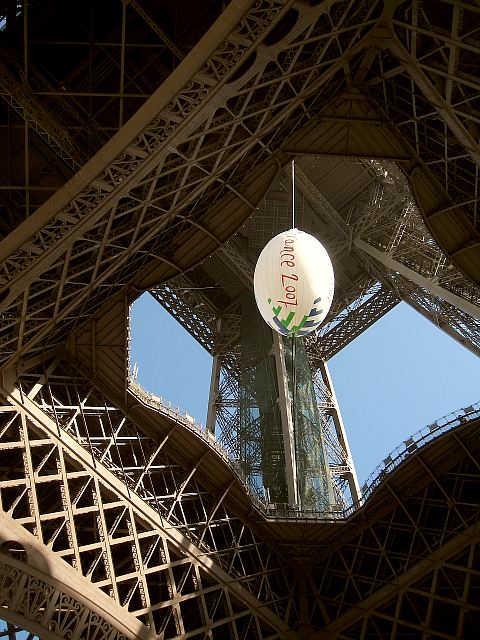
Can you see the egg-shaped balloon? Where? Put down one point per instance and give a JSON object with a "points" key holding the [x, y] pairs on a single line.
{"points": [[293, 283]]}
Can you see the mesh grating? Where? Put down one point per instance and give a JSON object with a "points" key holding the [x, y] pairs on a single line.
{"points": [[314, 482]]}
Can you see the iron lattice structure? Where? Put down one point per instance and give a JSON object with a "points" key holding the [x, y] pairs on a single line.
{"points": [[137, 141], [383, 254]]}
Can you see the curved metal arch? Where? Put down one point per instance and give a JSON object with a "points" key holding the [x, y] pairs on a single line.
{"points": [[43, 594]]}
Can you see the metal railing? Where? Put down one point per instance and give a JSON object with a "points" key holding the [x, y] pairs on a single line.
{"points": [[408, 447], [167, 409]]}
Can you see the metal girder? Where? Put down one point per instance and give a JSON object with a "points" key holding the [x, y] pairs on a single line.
{"points": [[287, 419], [193, 310], [470, 309], [425, 84], [165, 163], [341, 462], [155, 28], [442, 105], [100, 476], [95, 487], [351, 322], [453, 321], [54, 588], [38, 117], [278, 72], [437, 558], [236, 257], [94, 203], [384, 224]]}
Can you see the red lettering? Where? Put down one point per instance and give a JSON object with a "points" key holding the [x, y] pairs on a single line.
{"points": [[293, 277], [287, 259]]}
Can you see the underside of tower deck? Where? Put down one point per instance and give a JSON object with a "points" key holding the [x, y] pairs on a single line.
{"points": [[144, 147]]}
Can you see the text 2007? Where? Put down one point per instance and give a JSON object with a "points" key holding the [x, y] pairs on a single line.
{"points": [[287, 259]]}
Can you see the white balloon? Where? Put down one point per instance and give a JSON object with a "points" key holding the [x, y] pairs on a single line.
{"points": [[293, 283]]}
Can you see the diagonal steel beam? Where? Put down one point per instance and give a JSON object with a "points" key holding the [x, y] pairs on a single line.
{"points": [[443, 107], [156, 29], [383, 595], [336, 335], [39, 118], [429, 284], [160, 100]]}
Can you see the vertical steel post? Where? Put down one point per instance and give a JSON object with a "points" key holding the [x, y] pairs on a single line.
{"points": [[284, 401], [350, 474], [214, 394]]}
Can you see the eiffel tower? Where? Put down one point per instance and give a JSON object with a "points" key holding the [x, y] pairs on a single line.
{"points": [[144, 148]]}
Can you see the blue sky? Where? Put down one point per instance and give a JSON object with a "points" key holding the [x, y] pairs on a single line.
{"points": [[399, 375], [20, 635]]}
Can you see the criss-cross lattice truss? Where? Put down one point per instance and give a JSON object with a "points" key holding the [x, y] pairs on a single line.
{"points": [[111, 502], [137, 139], [125, 523], [383, 254], [157, 198]]}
